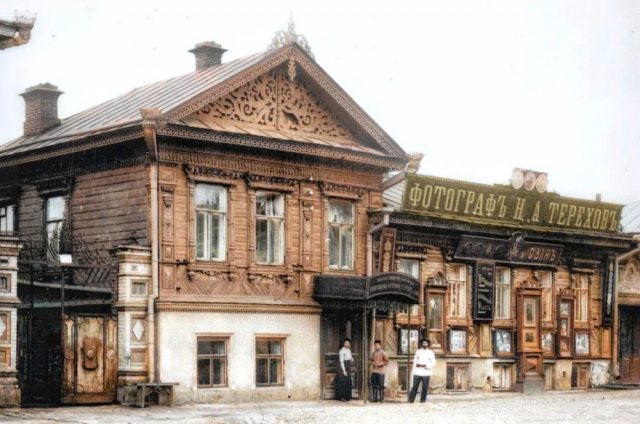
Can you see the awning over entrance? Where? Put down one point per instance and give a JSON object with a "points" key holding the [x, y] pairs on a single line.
{"points": [[391, 290]]}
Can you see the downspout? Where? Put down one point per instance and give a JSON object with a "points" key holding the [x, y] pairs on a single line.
{"points": [[616, 323], [150, 118]]}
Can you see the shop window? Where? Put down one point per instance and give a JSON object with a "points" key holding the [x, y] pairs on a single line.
{"points": [[341, 223], [502, 376], [580, 375], [270, 228], [211, 222], [458, 341], [503, 343], [457, 377], [139, 288], [582, 298], [408, 340], [7, 219], [212, 362], [582, 344], [269, 362], [435, 306], [56, 212], [503, 293], [546, 281], [457, 277]]}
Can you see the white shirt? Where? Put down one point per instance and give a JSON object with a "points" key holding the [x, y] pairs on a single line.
{"points": [[424, 357], [344, 355]]}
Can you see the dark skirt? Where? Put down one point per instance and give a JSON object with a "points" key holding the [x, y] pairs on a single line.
{"points": [[343, 383]]}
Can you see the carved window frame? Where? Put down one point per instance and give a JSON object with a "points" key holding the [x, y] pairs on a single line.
{"points": [[62, 221], [342, 226], [8, 217], [547, 298], [223, 213], [503, 294], [582, 297], [271, 218], [457, 292]]}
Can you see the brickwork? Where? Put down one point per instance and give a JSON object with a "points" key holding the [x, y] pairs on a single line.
{"points": [[41, 108]]}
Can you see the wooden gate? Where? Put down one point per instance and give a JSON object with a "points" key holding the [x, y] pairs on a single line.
{"points": [[630, 344], [90, 359]]}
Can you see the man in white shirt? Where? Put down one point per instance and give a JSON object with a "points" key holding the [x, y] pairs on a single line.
{"points": [[423, 364]]}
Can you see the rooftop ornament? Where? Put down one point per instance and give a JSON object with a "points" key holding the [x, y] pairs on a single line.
{"points": [[285, 38]]}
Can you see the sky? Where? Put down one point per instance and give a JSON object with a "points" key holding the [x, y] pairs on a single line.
{"points": [[479, 87]]}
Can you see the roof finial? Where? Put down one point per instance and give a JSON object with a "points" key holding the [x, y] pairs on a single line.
{"points": [[284, 38]]}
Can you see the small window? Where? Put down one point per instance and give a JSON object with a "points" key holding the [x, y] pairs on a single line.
{"points": [[410, 267], [270, 228], [55, 216], [503, 293], [139, 288], [5, 285], [269, 362], [457, 377], [212, 362], [7, 219], [458, 290], [341, 222], [582, 298], [211, 222], [502, 376]]}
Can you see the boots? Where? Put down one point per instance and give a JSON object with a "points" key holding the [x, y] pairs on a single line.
{"points": [[381, 396], [374, 392]]}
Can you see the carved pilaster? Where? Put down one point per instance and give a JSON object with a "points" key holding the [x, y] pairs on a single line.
{"points": [[231, 227], [9, 389], [360, 237], [168, 219], [192, 221], [251, 207], [288, 217], [307, 234]]}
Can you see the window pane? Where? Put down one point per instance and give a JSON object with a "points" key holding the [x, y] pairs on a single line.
{"points": [[435, 313], [346, 255], [262, 372], [262, 240], [201, 236], [211, 197], [211, 347], [270, 204], [55, 208], [218, 236], [276, 371], [204, 372], [262, 347], [276, 242], [218, 372], [341, 213], [409, 266], [53, 235], [275, 347], [334, 247]]}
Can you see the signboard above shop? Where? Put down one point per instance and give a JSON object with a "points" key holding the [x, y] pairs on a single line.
{"points": [[504, 205], [515, 250]]}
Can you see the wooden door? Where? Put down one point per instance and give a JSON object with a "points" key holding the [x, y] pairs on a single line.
{"points": [[528, 318], [337, 325], [90, 359], [565, 327], [629, 344]]}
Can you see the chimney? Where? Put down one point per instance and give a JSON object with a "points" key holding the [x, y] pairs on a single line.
{"points": [[41, 111], [208, 54]]}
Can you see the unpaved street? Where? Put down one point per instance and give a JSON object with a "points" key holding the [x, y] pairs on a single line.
{"points": [[596, 406]]}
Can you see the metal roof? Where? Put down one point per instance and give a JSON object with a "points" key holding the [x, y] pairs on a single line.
{"points": [[124, 110], [630, 218]]}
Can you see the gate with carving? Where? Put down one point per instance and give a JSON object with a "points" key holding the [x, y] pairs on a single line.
{"points": [[67, 325]]}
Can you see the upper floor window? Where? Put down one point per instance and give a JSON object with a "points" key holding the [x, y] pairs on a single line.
{"points": [[341, 222], [503, 293], [7, 217], [211, 222], [270, 228], [582, 297], [546, 281], [409, 266], [457, 290], [56, 213]]}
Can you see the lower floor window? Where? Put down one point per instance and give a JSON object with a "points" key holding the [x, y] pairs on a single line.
{"points": [[502, 376], [212, 362], [269, 361], [457, 376]]}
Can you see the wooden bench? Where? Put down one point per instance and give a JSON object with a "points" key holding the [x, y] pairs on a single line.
{"points": [[163, 390]]}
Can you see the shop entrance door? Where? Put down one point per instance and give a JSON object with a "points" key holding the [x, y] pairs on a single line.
{"points": [[529, 347], [337, 325], [630, 344]]}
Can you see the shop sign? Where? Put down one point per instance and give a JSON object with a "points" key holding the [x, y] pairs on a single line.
{"points": [[483, 291], [503, 205], [608, 290], [515, 250]]}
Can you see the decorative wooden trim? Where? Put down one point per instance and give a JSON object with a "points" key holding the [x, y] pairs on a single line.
{"points": [[264, 182], [172, 306], [211, 175], [340, 191]]}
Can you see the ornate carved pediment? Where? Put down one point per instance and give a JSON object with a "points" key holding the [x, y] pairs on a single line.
{"points": [[329, 189], [438, 279], [280, 101], [195, 171]]}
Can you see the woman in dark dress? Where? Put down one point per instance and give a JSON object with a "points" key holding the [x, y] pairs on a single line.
{"points": [[343, 380]]}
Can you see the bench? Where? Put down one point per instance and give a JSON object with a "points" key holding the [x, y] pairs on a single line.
{"points": [[163, 390]]}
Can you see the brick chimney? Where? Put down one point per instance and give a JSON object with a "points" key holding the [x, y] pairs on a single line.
{"points": [[41, 112], [208, 54]]}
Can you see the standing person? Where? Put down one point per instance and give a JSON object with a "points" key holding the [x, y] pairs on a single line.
{"points": [[379, 362], [423, 364], [343, 380]]}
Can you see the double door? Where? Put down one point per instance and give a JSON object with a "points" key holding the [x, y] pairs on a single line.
{"points": [[337, 325], [630, 344]]}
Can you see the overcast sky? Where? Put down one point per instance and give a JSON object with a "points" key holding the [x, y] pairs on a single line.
{"points": [[479, 87]]}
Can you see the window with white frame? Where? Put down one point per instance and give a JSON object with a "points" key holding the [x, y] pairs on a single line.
{"points": [[546, 281], [212, 362], [457, 277], [270, 228], [56, 212], [341, 222], [269, 361], [582, 298], [409, 266], [503, 293], [7, 213], [211, 222]]}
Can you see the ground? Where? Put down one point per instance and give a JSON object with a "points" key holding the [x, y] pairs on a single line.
{"points": [[593, 406]]}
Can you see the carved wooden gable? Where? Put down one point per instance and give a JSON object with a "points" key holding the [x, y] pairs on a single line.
{"points": [[630, 277], [281, 103]]}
